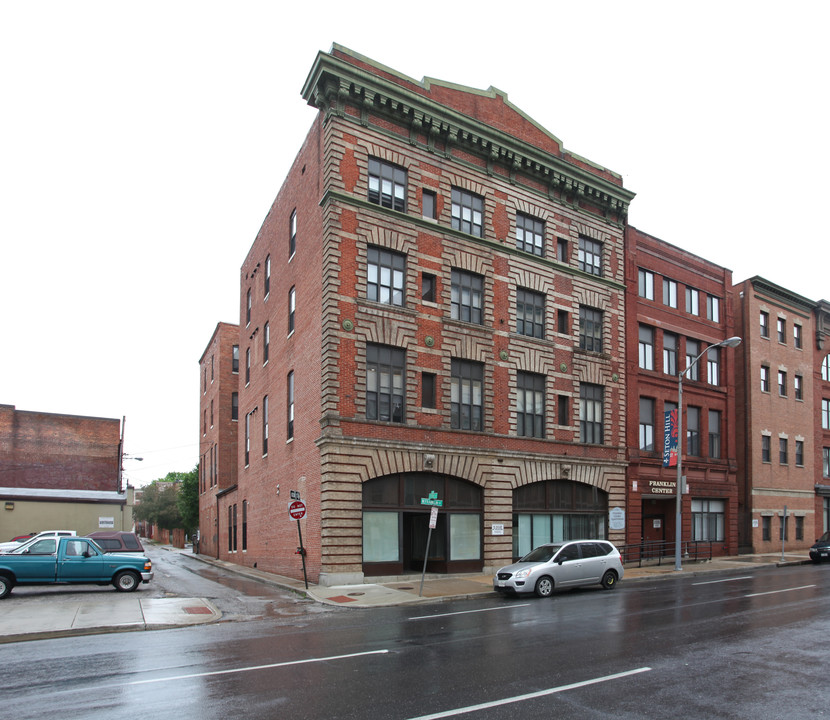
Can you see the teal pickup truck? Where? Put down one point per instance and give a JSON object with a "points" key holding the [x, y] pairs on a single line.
{"points": [[76, 560]]}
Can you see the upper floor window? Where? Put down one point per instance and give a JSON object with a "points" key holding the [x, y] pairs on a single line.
{"points": [[766, 450], [292, 306], [248, 305], [467, 395], [292, 234], [693, 431], [467, 212], [645, 284], [589, 259], [290, 405], [235, 406], [266, 343], [764, 378], [692, 301], [428, 287], [530, 313], [825, 414], [385, 372], [428, 204], [783, 456], [530, 405], [646, 345], [647, 424], [590, 329], [799, 453], [265, 425], [670, 353], [825, 368], [562, 250], [764, 318], [825, 462], [669, 293], [267, 281], [781, 327], [530, 234], [713, 308], [386, 271], [798, 387], [713, 366], [714, 434], [235, 359], [692, 353], [591, 420], [782, 383], [467, 297], [797, 336], [387, 185], [247, 366]]}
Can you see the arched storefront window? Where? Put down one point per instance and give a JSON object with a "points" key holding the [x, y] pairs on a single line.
{"points": [[555, 510], [396, 524]]}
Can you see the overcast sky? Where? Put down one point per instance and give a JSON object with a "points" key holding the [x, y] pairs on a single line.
{"points": [[141, 145]]}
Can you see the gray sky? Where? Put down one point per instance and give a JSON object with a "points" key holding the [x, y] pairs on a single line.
{"points": [[141, 146]]}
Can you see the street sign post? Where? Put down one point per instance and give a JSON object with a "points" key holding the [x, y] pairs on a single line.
{"points": [[435, 503], [296, 510]]}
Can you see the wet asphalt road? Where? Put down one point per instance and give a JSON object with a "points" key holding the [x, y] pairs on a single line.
{"points": [[741, 645]]}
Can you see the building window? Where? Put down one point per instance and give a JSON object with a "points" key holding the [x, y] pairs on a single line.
{"points": [[387, 185], [764, 379], [645, 284], [467, 212], [799, 527], [669, 293], [386, 271], [530, 405], [591, 417], [428, 204], [712, 308], [670, 354], [230, 528], [693, 431], [530, 313], [385, 372], [708, 518], [292, 306], [783, 532], [248, 366], [714, 434], [292, 234], [244, 525], [766, 531], [797, 336], [266, 343], [781, 326], [290, 388], [265, 425], [212, 369], [563, 416], [782, 451], [799, 453], [713, 366], [267, 282], [589, 259], [590, 329], [766, 450], [247, 439], [764, 324], [825, 462], [798, 387], [235, 406], [427, 287], [563, 326], [692, 353], [467, 297], [467, 391], [211, 413], [248, 302], [782, 383], [825, 414], [646, 346], [428, 394], [692, 301], [235, 359], [530, 234], [647, 424], [825, 368], [562, 250]]}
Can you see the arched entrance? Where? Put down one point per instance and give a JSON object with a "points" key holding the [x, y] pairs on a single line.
{"points": [[554, 510], [396, 525]]}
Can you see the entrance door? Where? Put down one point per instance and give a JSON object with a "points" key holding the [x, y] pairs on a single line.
{"points": [[415, 534]]}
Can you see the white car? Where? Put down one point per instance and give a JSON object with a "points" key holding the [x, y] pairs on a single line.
{"points": [[7, 547]]}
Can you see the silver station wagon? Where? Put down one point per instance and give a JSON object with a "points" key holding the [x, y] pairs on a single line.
{"points": [[562, 565]]}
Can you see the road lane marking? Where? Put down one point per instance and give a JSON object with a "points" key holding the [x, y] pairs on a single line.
{"points": [[775, 592], [715, 582], [530, 696], [255, 667], [468, 612]]}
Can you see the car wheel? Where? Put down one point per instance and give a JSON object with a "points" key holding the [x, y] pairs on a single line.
{"points": [[126, 581], [6, 585], [609, 580], [544, 586]]}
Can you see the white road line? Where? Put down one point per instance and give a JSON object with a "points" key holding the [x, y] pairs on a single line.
{"points": [[530, 696], [255, 667], [468, 612], [775, 592], [715, 582]]}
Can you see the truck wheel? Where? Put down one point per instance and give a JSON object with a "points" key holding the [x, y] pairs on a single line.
{"points": [[6, 585], [126, 581]]}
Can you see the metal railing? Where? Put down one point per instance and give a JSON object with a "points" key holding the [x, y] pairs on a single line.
{"points": [[656, 553]]}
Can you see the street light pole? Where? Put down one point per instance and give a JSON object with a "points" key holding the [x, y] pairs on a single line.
{"points": [[678, 520]]}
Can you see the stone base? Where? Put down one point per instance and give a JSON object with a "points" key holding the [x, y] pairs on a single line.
{"points": [[332, 579]]}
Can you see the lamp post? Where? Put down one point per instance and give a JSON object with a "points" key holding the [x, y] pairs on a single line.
{"points": [[678, 521]]}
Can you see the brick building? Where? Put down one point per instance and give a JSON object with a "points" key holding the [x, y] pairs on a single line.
{"points": [[779, 409], [821, 409], [218, 414], [433, 308], [679, 305]]}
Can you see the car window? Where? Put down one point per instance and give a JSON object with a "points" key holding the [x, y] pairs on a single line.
{"points": [[131, 542], [47, 546], [75, 547], [604, 548], [589, 550], [567, 553], [541, 554], [108, 543]]}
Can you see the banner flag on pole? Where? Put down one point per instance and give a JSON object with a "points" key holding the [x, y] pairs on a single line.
{"points": [[670, 439]]}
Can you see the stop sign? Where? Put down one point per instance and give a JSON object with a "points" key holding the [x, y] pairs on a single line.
{"points": [[297, 510]]}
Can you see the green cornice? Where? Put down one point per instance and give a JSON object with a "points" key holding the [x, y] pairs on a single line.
{"points": [[333, 82], [432, 227], [778, 294]]}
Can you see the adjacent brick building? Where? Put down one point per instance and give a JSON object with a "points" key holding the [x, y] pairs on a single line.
{"points": [[821, 410]]}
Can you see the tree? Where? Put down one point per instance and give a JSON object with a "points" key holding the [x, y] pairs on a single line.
{"points": [[171, 502], [188, 501]]}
